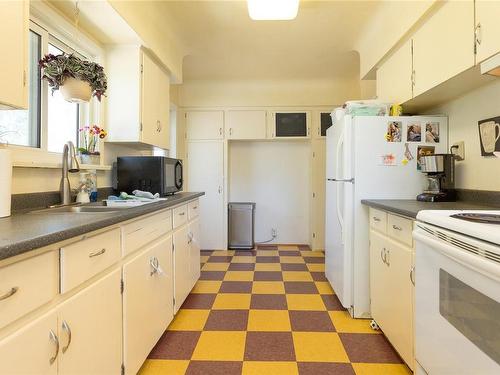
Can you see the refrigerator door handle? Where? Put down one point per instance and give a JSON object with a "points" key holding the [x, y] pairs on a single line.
{"points": [[339, 216], [337, 158], [337, 180]]}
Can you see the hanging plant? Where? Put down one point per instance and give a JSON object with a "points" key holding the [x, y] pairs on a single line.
{"points": [[68, 69]]}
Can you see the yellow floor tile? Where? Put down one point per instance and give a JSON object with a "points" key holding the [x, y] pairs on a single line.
{"points": [[232, 301], [261, 368], [243, 259], [268, 287], [316, 267], [204, 258], [345, 324], [290, 259], [267, 253], [215, 267], [297, 276], [324, 287], [319, 347], [380, 369], [189, 320], [238, 276], [288, 247], [267, 267], [268, 320], [313, 254], [310, 302], [222, 253], [220, 346], [163, 367], [206, 286]]}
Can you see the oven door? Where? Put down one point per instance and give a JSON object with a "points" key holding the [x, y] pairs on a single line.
{"points": [[457, 309]]}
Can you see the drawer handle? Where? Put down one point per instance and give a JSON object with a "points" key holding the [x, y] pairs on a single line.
{"points": [[66, 328], [10, 293], [97, 253], [182, 213], [190, 238], [395, 227], [155, 265], [376, 219], [195, 207], [55, 340], [412, 275], [136, 230]]}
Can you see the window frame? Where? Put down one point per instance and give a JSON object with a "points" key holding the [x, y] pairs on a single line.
{"points": [[61, 37]]}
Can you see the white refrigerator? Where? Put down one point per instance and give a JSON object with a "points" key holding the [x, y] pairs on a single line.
{"points": [[362, 164]]}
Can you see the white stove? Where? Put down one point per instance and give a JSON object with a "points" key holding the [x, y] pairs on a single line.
{"points": [[457, 293]]}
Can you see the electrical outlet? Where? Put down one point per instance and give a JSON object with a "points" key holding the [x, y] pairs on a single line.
{"points": [[458, 149], [274, 233]]}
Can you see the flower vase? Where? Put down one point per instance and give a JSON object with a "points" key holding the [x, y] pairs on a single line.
{"points": [[90, 159]]}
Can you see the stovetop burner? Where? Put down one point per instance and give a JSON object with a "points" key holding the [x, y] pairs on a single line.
{"points": [[478, 218]]}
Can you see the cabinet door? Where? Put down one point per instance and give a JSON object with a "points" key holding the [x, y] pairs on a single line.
{"points": [[150, 102], [323, 123], [380, 283], [90, 329], [290, 124], [399, 331], [163, 138], [394, 83], [318, 173], [205, 172], [147, 301], [194, 250], [203, 125], [443, 48], [487, 29], [32, 349], [246, 124], [14, 28], [182, 258]]}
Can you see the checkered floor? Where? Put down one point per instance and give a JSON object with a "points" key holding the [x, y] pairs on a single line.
{"points": [[268, 312]]}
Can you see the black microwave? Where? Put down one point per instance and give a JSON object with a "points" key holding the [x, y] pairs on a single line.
{"points": [[156, 174]]}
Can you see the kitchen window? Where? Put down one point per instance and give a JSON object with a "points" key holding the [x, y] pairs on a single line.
{"points": [[50, 121]]}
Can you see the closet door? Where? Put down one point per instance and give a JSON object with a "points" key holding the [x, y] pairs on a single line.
{"points": [[205, 171]]}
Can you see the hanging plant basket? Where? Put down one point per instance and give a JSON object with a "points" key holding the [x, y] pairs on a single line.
{"points": [[77, 79], [75, 90]]}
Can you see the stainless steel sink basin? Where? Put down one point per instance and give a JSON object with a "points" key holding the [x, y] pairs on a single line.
{"points": [[99, 208]]}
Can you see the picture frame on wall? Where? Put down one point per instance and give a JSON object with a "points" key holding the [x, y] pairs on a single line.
{"points": [[489, 136]]}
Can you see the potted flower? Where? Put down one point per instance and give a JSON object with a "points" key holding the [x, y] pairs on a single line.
{"points": [[77, 79], [89, 140]]}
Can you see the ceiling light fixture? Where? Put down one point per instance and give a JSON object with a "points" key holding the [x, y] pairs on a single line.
{"points": [[267, 10]]}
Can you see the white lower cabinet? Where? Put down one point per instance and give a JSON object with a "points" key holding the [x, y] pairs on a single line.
{"points": [[182, 276], [391, 286], [81, 336], [194, 251], [32, 349], [147, 301]]}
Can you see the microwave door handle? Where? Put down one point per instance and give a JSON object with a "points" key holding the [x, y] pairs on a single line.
{"points": [[178, 182]]}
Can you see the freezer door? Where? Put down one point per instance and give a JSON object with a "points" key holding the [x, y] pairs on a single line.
{"points": [[339, 239], [339, 150]]}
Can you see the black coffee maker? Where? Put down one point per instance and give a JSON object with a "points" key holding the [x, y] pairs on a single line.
{"points": [[440, 179]]}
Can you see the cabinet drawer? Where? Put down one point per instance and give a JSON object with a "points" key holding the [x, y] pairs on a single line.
{"points": [[193, 209], [26, 285], [138, 233], [84, 259], [378, 220], [400, 229], [180, 216]]}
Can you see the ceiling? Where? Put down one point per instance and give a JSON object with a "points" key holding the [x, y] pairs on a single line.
{"points": [[222, 42]]}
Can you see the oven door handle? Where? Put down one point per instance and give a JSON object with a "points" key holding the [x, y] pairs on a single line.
{"points": [[467, 259]]}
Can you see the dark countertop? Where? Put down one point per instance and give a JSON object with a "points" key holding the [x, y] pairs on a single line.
{"points": [[23, 232], [410, 208]]}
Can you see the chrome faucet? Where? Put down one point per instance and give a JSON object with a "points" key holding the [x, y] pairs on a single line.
{"points": [[69, 164]]}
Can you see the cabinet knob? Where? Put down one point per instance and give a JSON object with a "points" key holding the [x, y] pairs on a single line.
{"points": [[395, 227], [65, 327], [10, 293], [412, 275], [97, 253], [55, 340], [376, 219]]}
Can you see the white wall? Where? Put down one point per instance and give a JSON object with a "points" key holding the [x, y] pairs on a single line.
{"points": [[274, 175], [475, 172]]}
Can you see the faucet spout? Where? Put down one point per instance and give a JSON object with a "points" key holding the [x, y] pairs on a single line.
{"points": [[69, 164]]}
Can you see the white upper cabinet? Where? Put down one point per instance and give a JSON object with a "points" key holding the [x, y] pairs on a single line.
{"points": [[205, 125], [138, 98], [14, 31], [442, 47], [394, 77], [246, 124], [487, 29]]}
